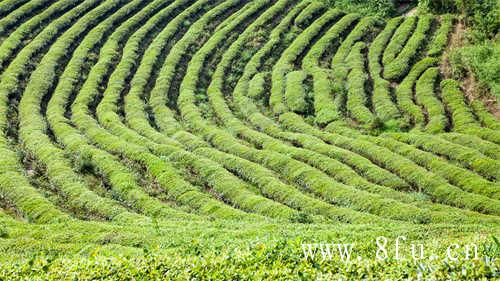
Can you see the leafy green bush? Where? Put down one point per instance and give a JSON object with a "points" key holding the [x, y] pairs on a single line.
{"points": [[404, 91], [295, 92], [257, 86], [398, 40], [481, 15], [430, 183], [384, 107], [402, 63], [382, 8], [481, 60], [356, 93], [426, 96], [438, 43], [326, 97], [301, 217]]}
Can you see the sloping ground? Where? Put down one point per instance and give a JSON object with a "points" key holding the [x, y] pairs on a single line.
{"points": [[121, 113]]}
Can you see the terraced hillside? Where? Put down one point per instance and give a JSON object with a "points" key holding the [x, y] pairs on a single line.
{"points": [[119, 115]]}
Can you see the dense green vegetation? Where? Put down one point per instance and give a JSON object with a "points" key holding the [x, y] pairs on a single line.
{"points": [[480, 51], [481, 60], [209, 140], [382, 8]]}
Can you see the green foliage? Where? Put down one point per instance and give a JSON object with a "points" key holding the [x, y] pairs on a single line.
{"points": [[398, 39], [295, 92], [458, 176], [425, 95], [356, 94], [384, 107], [404, 92], [438, 43], [487, 148], [327, 105], [480, 54], [221, 134], [307, 14], [301, 218], [452, 96], [428, 182], [482, 61], [257, 86], [381, 8], [482, 16], [470, 158], [399, 67], [285, 62], [271, 256]]}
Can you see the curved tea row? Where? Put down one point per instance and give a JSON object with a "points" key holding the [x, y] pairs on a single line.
{"points": [[282, 110]]}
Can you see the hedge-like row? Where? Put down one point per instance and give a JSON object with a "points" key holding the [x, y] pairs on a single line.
{"points": [[318, 182], [401, 64], [257, 86], [219, 73], [398, 40], [383, 105], [287, 58], [224, 183], [355, 180], [484, 115], [8, 6], [274, 188], [463, 118], [15, 186], [9, 22], [487, 148], [425, 96], [295, 92], [122, 182], [379, 44], [269, 186], [327, 100], [428, 182], [244, 86], [293, 170], [158, 166], [358, 163], [440, 40], [248, 109], [331, 39], [468, 157], [17, 39], [32, 126], [365, 26], [356, 103], [158, 98], [106, 110], [307, 14], [361, 164], [252, 66], [404, 92], [16, 190], [295, 123], [484, 133], [463, 178], [220, 138], [233, 189], [326, 110]]}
